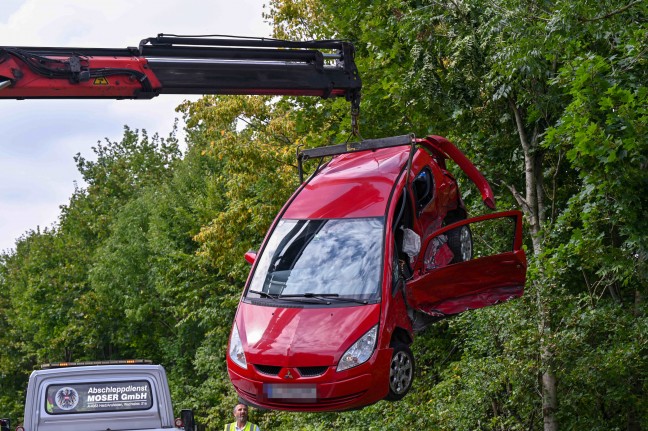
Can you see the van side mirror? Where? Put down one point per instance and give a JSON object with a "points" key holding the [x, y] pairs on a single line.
{"points": [[188, 420], [250, 256]]}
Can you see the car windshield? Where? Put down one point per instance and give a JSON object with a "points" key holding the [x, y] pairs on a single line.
{"points": [[316, 257]]}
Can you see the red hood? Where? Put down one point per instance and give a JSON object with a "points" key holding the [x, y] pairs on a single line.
{"points": [[293, 337]]}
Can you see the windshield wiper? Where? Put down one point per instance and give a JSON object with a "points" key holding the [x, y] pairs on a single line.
{"points": [[293, 298], [326, 296], [264, 294], [320, 298]]}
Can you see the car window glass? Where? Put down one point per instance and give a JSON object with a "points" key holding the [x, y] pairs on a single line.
{"points": [[423, 187], [336, 256], [82, 397], [470, 241]]}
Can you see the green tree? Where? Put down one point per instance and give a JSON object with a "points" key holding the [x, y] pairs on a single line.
{"points": [[50, 303], [504, 81]]}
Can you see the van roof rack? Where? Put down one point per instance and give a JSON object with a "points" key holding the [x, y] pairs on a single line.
{"points": [[50, 365]]}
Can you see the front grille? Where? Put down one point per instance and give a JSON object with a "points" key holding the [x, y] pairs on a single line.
{"points": [[272, 370], [311, 371], [269, 370]]}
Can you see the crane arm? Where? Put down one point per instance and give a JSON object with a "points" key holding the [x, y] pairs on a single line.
{"points": [[182, 65]]}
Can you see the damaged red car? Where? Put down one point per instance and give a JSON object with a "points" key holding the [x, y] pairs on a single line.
{"points": [[374, 246]]}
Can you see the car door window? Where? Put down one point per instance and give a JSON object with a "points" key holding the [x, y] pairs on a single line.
{"points": [[403, 222], [423, 188], [484, 265]]}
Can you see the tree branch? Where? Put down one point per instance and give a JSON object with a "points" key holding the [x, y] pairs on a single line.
{"points": [[554, 182], [520, 199], [611, 14]]}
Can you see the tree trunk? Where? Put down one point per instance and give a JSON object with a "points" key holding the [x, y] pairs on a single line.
{"points": [[633, 423], [549, 391], [533, 207]]}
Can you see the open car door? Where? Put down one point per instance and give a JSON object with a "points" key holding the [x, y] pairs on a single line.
{"points": [[469, 264]]}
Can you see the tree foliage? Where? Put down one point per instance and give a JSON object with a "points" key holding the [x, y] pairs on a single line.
{"points": [[549, 99]]}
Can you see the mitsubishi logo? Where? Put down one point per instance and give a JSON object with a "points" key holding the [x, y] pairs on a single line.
{"points": [[288, 375]]}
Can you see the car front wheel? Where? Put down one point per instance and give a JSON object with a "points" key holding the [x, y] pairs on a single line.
{"points": [[401, 372]]}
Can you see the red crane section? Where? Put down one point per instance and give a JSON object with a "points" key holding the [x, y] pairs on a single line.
{"points": [[182, 65]]}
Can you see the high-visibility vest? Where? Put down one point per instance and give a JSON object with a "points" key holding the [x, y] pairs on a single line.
{"points": [[248, 427]]}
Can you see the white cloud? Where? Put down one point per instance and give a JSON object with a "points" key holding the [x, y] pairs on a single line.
{"points": [[121, 23], [41, 137]]}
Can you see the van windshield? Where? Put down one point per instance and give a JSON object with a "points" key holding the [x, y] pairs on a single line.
{"points": [[80, 397], [322, 257]]}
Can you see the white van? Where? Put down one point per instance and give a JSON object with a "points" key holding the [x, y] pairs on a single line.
{"points": [[106, 395]]}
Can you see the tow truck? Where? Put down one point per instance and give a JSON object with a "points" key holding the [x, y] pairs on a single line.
{"points": [[101, 395], [375, 245]]}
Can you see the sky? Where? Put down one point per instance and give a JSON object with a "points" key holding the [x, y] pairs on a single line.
{"points": [[40, 138]]}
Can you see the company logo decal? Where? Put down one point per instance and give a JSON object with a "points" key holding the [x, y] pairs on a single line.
{"points": [[66, 398], [288, 375]]}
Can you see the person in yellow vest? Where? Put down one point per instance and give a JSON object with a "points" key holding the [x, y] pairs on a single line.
{"points": [[241, 424]]}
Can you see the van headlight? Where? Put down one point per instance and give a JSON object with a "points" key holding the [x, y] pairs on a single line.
{"points": [[236, 352], [360, 351]]}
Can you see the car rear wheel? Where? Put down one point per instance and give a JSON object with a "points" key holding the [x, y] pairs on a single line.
{"points": [[401, 372], [461, 244]]}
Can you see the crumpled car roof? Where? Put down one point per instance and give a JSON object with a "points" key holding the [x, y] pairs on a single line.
{"points": [[351, 185]]}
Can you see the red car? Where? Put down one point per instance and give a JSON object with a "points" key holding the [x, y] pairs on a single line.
{"points": [[373, 247]]}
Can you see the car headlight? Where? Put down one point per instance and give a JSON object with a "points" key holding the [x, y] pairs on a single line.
{"points": [[360, 351], [236, 352]]}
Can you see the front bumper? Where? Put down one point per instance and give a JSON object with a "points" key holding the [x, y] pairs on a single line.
{"points": [[330, 391]]}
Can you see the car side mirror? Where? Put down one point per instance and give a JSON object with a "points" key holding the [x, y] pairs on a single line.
{"points": [[188, 420], [250, 256]]}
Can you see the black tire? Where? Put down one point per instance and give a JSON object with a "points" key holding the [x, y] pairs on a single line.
{"points": [[401, 372], [460, 243]]}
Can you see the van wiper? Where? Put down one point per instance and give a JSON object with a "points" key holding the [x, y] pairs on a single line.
{"points": [[326, 296]]}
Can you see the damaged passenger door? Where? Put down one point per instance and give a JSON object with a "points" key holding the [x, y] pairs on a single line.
{"points": [[469, 264]]}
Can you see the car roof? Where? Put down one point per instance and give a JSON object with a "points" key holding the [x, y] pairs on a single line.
{"points": [[351, 185]]}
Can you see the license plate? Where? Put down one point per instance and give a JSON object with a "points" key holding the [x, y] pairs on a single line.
{"points": [[297, 392]]}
